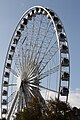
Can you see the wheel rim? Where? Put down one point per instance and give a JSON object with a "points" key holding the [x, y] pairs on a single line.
{"points": [[37, 62]]}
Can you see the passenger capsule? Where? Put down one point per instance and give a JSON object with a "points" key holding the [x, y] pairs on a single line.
{"points": [[4, 111], [33, 13], [5, 83], [47, 9], [62, 37], [29, 16], [37, 9], [10, 57], [18, 34], [65, 62], [4, 93], [6, 74], [64, 91], [12, 49], [4, 102], [21, 27], [15, 41], [56, 19], [59, 27], [64, 49], [52, 13], [8, 65], [44, 12], [65, 76], [25, 21], [48, 16]]}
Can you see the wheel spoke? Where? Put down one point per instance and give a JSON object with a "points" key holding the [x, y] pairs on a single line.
{"points": [[32, 39], [31, 93], [12, 107], [12, 84], [10, 97], [49, 72], [45, 74], [48, 56], [38, 50], [13, 72], [40, 86], [37, 37]]}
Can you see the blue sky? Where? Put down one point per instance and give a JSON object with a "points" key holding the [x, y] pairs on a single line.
{"points": [[67, 10]]}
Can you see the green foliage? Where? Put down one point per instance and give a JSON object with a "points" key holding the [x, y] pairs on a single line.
{"points": [[51, 110]]}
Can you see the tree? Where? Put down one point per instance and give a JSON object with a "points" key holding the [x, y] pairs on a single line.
{"points": [[51, 110], [33, 111]]}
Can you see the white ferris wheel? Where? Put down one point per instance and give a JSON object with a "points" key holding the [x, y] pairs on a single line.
{"points": [[37, 63]]}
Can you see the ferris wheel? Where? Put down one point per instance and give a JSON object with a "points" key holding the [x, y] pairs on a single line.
{"points": [[37, 63]]}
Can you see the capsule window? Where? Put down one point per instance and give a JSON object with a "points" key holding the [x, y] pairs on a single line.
{"points": [[65, 62], [4, 93], [41, 10], [5, 83], [56, 19], [62, 37], [25, 21], [65, 76], [21, 27], [44, 12], [18, 34], [47, 9], [8, 65], [12, 48], [59, 27], [4, 102], [29, 16], [10, 57], [37, 9], [64, 91], [52, 13], [48, 16], [15, 41], [33, 12], [4, 111], [6, 74], [64, 49]]}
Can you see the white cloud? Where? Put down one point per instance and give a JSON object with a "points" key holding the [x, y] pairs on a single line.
{"points": [[74, 98]]}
